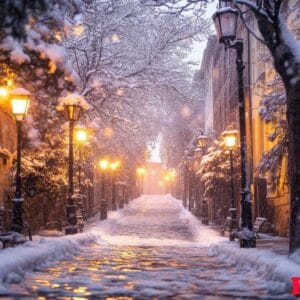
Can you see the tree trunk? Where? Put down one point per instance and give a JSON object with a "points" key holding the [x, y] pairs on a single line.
{"points": [[282, 49]]}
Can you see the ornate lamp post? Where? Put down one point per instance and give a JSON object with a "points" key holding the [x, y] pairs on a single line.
{"points": [[230, 138], [141, 171], [103, 166], [202, 141], [226, 20], [113, 168], [72, 105], [72, 113], [20, 99]]}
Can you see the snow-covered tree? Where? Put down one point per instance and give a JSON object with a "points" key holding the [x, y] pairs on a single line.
{"points": [[273, 112], [131, 68], [31, 57], [215, 176]]}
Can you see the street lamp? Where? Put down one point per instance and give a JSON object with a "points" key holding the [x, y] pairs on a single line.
{"points": [[141, 171], [103, 165], [3, 92], [20, 99], [113, 167], [225, 20], [72, 112], [230, 138]]}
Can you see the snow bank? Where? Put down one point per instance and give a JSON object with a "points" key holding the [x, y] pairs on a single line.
{"points": [[15, 261], [273, 267]]}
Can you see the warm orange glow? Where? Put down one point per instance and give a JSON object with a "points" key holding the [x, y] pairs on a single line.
{"points": [[160, 183], [115, 165], [167, 178], [81, 135], [52, 67], [141, 171], [173, 173], [3, 92], [230, 138], [20, 101], [103, 164], [57, 35], [10, 82]]}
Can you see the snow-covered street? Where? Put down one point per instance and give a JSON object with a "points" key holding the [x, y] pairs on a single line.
{"points": [[151, 249]]}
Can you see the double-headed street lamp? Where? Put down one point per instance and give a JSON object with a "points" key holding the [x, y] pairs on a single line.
{"points": [[226, 21], [20, 102], [230, 138]]}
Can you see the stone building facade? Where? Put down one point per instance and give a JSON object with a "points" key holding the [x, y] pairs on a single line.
{"points": [[7, 146], [220, 78]]}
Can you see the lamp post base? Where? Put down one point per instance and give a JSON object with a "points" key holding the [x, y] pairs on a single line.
{"points": [[233, 224], [17, 221], [72, 220], [247, 238]]}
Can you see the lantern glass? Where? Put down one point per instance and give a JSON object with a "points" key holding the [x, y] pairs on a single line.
{"points": [[72, 112], [20, 107], [230, 139], [103, 164], [225, 21]]}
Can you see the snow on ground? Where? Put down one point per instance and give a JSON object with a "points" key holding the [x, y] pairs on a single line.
{"points": [[149, 221], [142, 224]]}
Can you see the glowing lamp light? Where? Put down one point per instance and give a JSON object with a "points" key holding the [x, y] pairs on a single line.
{"points": [[81, 135], [115, 165], [230, 138], [104, 164], [20, 99], [141, 171], [167, 178], [3, 92]]}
